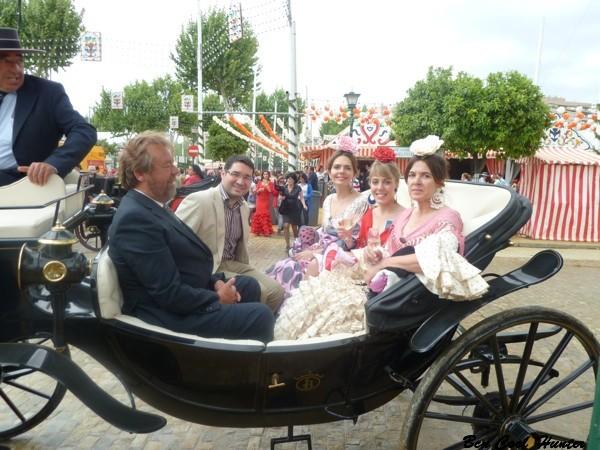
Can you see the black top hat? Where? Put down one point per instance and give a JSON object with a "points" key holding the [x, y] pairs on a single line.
{"points": [[9, 42]]}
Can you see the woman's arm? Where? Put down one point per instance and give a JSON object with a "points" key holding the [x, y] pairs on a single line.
{"points": [[406, 262], [301, 197]]}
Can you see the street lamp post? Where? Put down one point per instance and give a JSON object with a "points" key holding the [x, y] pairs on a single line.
{"points": [[352, 100]]}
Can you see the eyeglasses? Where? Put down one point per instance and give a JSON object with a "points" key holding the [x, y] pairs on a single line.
{"points": [[237, 176]]}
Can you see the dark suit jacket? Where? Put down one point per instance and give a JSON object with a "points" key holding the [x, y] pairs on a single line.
{"points": [[43, 114], [164, 269], [313, 180]]}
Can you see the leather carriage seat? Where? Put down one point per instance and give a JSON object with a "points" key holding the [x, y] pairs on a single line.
{"points": [[476, 203], [110, 302], [32, 223]]}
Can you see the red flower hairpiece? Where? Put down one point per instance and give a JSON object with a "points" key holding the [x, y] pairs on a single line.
{"points": [[384, 154]]}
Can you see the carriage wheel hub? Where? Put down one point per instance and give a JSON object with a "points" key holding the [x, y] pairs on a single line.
{"points": [[518, 431]]}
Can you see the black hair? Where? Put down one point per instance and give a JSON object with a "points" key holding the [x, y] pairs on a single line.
{"points": [[293, 176], [238, 158]]}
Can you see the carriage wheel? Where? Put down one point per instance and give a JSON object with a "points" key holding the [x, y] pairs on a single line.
{"points": [[89, 236], [27, 396], [514, 379]]}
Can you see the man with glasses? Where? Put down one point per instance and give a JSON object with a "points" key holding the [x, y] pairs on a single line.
{"points": [[220, 217], [34, 115]]}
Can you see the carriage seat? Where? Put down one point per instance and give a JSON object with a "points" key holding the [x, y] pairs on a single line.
{"points": [[476, 203], [32, 223], [110, 302]]}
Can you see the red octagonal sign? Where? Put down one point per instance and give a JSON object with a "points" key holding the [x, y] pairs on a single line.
{"points": [[193, 151]]}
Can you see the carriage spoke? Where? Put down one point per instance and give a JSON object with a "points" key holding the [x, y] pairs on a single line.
{"points": [[482, 398], [10, 375], [546, 369], [499, 374], [451, 379], [560, 412], [12, 406], [457, 418], [523, 367], [27, 389], [557, 388]]}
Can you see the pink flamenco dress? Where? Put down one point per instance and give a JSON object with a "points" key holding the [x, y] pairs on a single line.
{"points": [[261, 220], [334, 301]]}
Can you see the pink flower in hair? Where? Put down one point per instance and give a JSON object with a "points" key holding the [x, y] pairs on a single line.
{"points": [[347, 144]]}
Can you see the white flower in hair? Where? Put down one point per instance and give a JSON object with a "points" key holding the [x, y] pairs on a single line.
{"points": [[426, 146]]}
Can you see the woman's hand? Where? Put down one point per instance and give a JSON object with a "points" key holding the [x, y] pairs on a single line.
{"points": [[373, 256], [227, 292], [305, 255], [371, 272]]}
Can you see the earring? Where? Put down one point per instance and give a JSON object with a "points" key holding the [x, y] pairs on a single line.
{"points": [[437, 199], [371, 200]]}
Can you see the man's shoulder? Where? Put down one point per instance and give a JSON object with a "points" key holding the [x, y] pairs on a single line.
{"points": [[206, 194], [33, 82]]}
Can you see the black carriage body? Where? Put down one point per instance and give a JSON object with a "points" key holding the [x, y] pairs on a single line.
{"points": [[226, 383]]}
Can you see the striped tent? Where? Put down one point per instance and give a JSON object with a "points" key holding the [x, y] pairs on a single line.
{"points": [[563, 184]]}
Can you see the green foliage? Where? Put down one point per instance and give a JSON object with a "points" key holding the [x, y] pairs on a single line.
{"points": [[221, 144], [111, 149], [51, 25], [422, 111], [147, 106], [266, 103], [331, 127], [517, 113], [506, 113], [226, 68]]}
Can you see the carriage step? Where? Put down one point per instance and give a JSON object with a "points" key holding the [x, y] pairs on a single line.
{"points": [[540, 267], [292, 438], [65, 371]]}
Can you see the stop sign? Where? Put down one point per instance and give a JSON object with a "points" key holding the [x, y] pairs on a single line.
{"points": [[193, 151]]}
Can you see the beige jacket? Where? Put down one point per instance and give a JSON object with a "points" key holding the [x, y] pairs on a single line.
{"points": [[204, 213]]}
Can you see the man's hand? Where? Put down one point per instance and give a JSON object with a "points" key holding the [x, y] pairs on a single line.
{"points": [[227, 292], [38, 172]]}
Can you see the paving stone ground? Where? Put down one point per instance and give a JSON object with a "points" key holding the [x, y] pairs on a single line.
{"points": [[72, 426]]}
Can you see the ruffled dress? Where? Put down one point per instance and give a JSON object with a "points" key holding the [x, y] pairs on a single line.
{"points": [[261, 219], [289, 272], [334, 301]]}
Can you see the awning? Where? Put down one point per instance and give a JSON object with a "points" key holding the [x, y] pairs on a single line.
{"points": [[567, 155]]}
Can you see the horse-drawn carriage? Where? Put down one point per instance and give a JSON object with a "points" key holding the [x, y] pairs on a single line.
{"points": [[508, 380]]}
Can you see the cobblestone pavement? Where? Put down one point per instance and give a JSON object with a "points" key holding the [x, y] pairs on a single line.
{"points": [[72, 426]]}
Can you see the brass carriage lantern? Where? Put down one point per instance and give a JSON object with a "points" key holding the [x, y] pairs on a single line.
{"points": [[54, 264]]}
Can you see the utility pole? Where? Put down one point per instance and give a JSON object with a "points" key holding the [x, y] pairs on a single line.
{"points": [[199, 61], [19, 15], [292, 122]]}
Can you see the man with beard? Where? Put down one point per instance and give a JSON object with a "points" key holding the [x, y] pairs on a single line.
{"points": [[164, 269]]}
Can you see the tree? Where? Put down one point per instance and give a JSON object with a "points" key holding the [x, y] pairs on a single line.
{"points": [[422, 111], [505, 113], [221, 144], [50, 25], [331, 127], [517, 113], [146, 106], [227, 67]]}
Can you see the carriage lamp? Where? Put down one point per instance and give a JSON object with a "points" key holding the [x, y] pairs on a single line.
{"points": [[53, 264], [53, 261], [102, 200]]}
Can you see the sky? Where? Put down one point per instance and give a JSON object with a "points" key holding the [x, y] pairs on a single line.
{"points": [[376, 48]]}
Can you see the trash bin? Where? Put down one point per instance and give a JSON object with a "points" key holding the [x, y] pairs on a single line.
{"points": [[313, 211]]}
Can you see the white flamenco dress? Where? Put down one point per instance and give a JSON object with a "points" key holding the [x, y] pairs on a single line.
{"points": [[334, 301]]}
